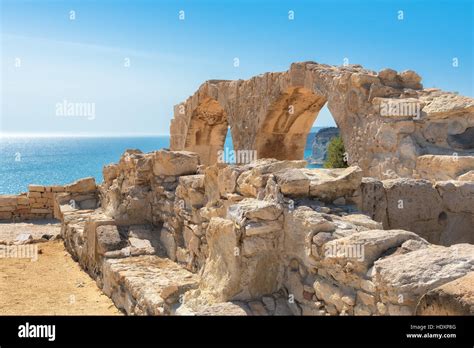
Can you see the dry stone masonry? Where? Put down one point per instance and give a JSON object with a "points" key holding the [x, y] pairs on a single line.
{"points": [[173, 237], [391, 126], [177, 232], [38, 202]]}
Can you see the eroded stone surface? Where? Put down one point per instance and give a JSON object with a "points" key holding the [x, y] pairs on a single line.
{"points": [[440, 212], [403, 279], [386, 119], [453, 298], [139, 285], [245, 240]]}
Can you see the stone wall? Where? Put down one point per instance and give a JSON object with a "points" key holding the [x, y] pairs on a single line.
{"points": [[390, 125], [441, 212], [271, 237], [38, 202]]}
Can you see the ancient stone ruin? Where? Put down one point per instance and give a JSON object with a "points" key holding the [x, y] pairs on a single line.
{"points": [[174, 237], [175, 232], [390, 125]]}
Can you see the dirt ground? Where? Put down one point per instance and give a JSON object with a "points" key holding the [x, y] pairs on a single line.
{"points": [[52, 285], [9, 231]]}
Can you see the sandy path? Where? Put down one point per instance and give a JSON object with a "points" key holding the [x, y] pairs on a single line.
{"points": [[9, 231], [52, 285]]}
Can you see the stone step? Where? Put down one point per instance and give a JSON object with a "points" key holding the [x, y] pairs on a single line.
{"points": [[146, 285]]}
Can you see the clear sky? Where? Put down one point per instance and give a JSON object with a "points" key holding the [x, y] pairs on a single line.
{"points": [[48, 58]]}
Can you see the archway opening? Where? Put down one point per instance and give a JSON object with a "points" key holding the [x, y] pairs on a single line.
{"points": [[227, 153], [323, 131], [283, 132], [207, 131]]}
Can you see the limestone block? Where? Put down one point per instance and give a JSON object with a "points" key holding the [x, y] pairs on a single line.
{"points": [[411, 79], [175, 162], [222, 272], [333, 294], [253, 209], [36, 188], [453, 298], [110, 172], [300, 227], [457, 196], [362, 220], [349, 259], [437, 167], [108, 239], [41, 211], [469, 176], [330, 184], [404, 278], [293, 182], [169, 243], [263, 227], [143, 285], [82, 186]]}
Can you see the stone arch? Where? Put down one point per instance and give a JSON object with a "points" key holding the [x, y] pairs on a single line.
{"points": [[284, 130], [207, 130], [384, 145]]}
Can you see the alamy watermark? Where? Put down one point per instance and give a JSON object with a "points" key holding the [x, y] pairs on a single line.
{"points": [[349, 251], [236, 156], [400, 108], [28, 251], [75, 109]]}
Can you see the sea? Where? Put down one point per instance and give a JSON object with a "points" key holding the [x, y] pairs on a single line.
{"points": [[60, 160]]}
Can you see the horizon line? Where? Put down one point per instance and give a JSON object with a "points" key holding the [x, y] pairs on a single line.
{"points": [[91, 135], [77, 135]]}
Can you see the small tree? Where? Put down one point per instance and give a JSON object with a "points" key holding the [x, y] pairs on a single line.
{"points": [[335, 154]]}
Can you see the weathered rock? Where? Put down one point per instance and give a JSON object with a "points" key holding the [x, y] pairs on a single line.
{"points": [[293, 182], [8, 200], [82, 186], [23, 238], [441, 212], [175, 162], [300, 227], [264, 227], [457, 196], [469, 176], [331, 293], [330, 184], [169, 243], [411, 79], [443, 167], [273, 113], [136, 284], [403, 279], [362, 220], [257, 308], [389, 77], [253, 209], [218, 309], [108, 239], [360, 251], [453, 298], [233, 227], [36, 188], [110, 172], [222, 273]]}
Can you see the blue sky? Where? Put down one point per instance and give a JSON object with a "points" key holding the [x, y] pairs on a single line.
{"points": [[82, 60]]}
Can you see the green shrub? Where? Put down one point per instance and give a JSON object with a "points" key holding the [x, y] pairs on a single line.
{"points": [[335, 154]]}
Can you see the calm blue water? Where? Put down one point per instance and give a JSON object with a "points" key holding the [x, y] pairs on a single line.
{"points": [[61, 160]]}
